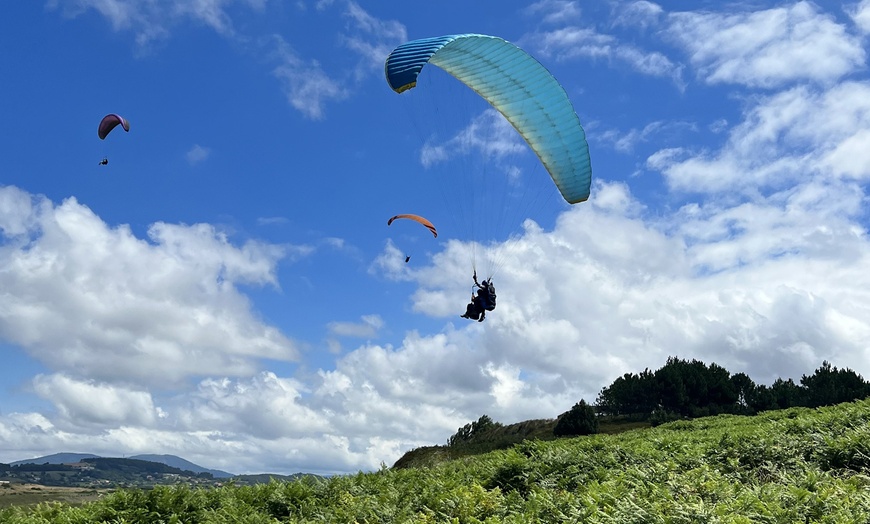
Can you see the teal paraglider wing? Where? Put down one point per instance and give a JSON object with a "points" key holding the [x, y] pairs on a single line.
{"points": [[519, 87]]}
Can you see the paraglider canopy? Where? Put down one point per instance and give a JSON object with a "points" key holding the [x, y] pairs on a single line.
{"points": [[109, 122], [515, 84], [418, 219]]}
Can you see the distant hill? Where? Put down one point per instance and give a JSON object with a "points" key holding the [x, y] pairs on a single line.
{"points": [[103, 472], [169, 460], [57, 458], [182, 464]]}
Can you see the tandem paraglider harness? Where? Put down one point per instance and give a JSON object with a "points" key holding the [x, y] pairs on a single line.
{"points": [[486, 296]]}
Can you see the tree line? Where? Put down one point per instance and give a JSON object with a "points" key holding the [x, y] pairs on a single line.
{"points": [[689, 389]]}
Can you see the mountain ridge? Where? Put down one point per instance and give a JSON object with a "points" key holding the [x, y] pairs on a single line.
{"points": [[169, 460]]}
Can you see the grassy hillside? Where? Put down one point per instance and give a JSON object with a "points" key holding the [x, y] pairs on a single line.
{"points": [[265, 478], [796, 465], [504, 437]]}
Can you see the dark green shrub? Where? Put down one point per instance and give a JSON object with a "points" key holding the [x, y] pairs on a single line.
{"points": [[579, 420]]}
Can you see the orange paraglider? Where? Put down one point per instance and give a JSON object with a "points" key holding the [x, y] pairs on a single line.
{"points": [[418, 219]]}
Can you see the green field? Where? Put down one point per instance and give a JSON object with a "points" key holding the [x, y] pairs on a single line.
{"points": [[792, 466], [33, 494]]}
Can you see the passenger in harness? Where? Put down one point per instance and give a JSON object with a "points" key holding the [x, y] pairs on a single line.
{"points": [[481, 302]]}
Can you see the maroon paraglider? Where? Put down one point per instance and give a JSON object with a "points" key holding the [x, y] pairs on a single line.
{"points": [[110, 122]]}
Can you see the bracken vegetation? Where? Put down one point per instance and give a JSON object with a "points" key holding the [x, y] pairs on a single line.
{"points": [[793, 465]]}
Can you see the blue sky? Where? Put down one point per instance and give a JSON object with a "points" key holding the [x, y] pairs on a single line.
{"points": [[226, 289]]}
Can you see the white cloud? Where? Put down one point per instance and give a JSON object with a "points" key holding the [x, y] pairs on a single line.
{"points": [[489, 134], [390, 263], [851, 157], [80, 295], [120, 13], [197, 154], [374, 38], [718, 126], [767, 48], [307, 86], [405, 392], [641, 14], [17, 211], [653, 290], [573, 42], [784, 224], [860, 14], [555, 11], [152, 21], [367, 327], [208, 12], [263, 407], [272, 221], [801, 132], [86, 403], [627, 141]]}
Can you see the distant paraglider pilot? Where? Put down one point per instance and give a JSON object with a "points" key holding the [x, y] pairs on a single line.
{"points": [[481, 302], [109, 122]]}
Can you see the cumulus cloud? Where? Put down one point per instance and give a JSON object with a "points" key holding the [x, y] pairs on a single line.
{"points": [[709, 282], [263, 407], [652, 287], [767, 48], [705, 284], [390, 263], [755, 259], [420, 388], [80, 295], [84, 403]]}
